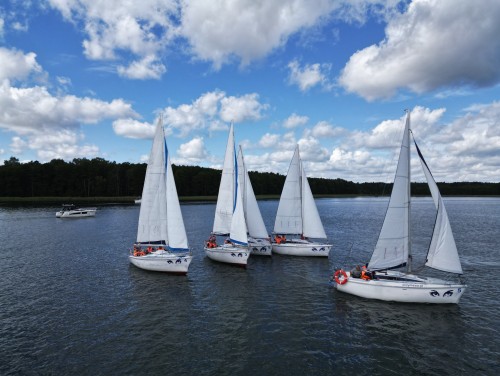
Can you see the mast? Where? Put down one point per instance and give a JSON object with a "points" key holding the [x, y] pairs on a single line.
{"points": [[301, 192], [409, 190]]}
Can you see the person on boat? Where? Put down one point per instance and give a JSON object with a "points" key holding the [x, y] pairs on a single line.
{"points": [[365, 274], [149, 250], [302, 237], [212, 242], [227, 241], [356, 272]]}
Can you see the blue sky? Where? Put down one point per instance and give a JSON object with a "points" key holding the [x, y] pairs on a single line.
{"points": [[85, 79]]}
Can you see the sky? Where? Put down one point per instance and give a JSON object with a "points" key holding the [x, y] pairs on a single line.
{"points": [[91, 78]]}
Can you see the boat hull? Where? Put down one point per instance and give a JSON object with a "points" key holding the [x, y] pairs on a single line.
{"points": [[164, 262], [302, 249], [419, 290], [260, 247], [229, 254]]}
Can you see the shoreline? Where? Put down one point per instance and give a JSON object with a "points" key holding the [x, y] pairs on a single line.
{"points": [[184, 199]]}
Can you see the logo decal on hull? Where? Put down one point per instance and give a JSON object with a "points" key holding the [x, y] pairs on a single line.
{"points": [[448, 293], [434, 293]]}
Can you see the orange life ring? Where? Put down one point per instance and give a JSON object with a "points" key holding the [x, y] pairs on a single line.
{"points": [[338, 280]]}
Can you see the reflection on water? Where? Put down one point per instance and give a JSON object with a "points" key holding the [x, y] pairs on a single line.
{"points": [[72, 303]]}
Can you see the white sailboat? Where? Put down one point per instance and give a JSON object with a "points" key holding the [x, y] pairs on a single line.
{"points": [[230, 212], [161, 236], [258, 239], [298, 216], [393, 247]]}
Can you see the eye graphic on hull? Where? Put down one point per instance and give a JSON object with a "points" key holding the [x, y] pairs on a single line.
{"points": [[434, 293], [448, 293]]}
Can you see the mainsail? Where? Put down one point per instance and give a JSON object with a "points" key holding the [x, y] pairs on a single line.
{"points": [[394, 241], [226, 200]]}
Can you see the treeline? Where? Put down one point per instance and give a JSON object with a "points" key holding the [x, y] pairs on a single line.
{"points": [[100, 178]]}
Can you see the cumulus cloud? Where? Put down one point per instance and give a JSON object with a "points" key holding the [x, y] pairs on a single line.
{"points": [[324, 129], [212, 108], [193, 151], [434, 44], [16, 65], [261, 26], [147, 68], [294, 121], [238, 109], [49, 124], [132, 128], [114, 27], [309, 76], [206, 30]]}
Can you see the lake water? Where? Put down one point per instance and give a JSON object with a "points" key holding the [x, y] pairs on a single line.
{"points": [[70, 302]]}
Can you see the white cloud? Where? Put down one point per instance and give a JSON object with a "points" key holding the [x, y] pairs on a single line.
{"points": [[211, 109], [295, 120], [269, 140], [239, 109], [324, 129], [49, 125], [147, 68], [113, 27], [309, 76], [132, 128], [260, 26], [17, 65], [193, 151], [2, 22], [63, 144], [434, 44]]}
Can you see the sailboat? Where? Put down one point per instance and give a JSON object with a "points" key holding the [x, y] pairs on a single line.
{"points": [[236, 213], [393, 248], [298, 216], [161, 236], [258, 239]]}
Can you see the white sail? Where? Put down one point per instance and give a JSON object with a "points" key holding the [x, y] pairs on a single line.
{"points": [[312, 225], [238, 232], [443, 253], [254, 221], [289, 214], [152, 225], [177, 238], [226, 202], [393, 243]]}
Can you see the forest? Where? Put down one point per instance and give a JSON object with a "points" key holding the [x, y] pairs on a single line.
{"points": [[97, 177]]}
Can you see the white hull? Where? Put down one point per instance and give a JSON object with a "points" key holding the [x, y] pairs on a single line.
{"points": [[229, 254], [163, 262], [412, 290], [261, 247], [78, 213], [302, 248]]}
